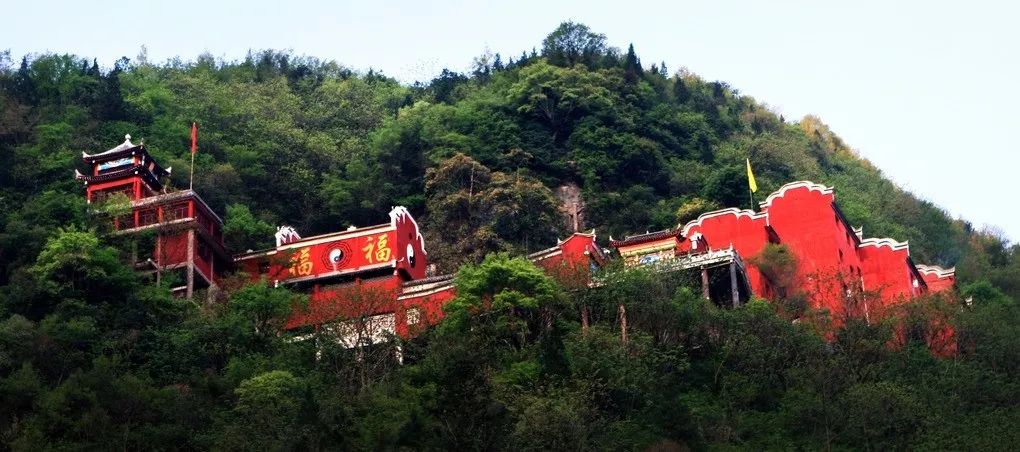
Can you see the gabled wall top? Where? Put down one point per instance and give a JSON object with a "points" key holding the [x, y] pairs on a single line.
{"points": [[936, 270], [891, 243], [811, 186], [719, 213]]}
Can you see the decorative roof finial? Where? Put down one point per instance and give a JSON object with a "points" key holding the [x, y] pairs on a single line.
{"points": [[127, 137]]}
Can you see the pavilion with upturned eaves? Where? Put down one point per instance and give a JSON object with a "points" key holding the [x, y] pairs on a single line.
{"points": [[188, 235]]}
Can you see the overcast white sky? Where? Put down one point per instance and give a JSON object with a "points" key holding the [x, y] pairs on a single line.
{"points": [[925, 90]]}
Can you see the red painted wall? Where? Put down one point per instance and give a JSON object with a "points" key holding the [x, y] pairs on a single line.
{"points": [[937, 279], [383, 295], [744, 230], [836, 270], [834, 265], [411, 256], [346, 301], [399, 245], [172, 250], [372, 248], [204, 265], [936, 284], [887, 271], [370, 298], [430, 309], [570, 262], [803, 216]]}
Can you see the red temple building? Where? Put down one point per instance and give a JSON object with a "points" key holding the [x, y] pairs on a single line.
{"points": [[187, 236], [937, 279], [573, 261], [369, 282], [366, 283], [836, 267], [357, 273]]}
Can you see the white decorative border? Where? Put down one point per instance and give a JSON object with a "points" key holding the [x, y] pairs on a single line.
{"points": [[811, 186], [558, 249], [334, 236], [893, 244], [938, 271], [401, 211], [718, 213], [428, 289], [545, 254]]}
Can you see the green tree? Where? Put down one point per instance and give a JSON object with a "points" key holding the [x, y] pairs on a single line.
{"points": [[477, 211], [558, 96], [76, 265], [573, 43], [243, 231], [264, 309], [524, 297], [267, 413]]}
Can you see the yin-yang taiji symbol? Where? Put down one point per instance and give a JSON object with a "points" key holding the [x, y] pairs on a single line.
{"points": [[336, 256]]}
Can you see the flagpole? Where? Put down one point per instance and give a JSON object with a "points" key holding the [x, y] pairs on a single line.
{"points": [[194, 147], [751, 185]]}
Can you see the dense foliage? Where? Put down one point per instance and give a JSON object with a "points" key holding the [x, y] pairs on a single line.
{"points": [[93, 358]]}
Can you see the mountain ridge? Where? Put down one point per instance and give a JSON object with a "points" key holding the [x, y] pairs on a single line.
{"points": [[94, 357]]}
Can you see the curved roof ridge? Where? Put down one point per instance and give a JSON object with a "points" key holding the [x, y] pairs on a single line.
{"points": [[646, 237], [718, 213], [937, 270], [886, 241], [810, 185], [127, 144]]}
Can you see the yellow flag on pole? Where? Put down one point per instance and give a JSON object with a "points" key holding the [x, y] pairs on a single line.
{"points": [[750, 178]]}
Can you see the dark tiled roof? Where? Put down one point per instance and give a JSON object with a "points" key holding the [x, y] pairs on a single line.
{"points": [[126, 171], [642, 238], [145, 172], [123, 149], [112, 154], [429, 280], [543, 252], [173, 196]]}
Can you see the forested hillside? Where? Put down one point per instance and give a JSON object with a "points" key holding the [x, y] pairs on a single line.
{"points": [[91, 357]]}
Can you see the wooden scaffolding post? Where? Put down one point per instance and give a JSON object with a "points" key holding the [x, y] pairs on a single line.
{"points": [[735, 292], [704, 283], [623, 324], [190, 270]]}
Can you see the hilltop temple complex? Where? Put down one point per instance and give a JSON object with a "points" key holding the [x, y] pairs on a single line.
{"points": [[379, 273]]}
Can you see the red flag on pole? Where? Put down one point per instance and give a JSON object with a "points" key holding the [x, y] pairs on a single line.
{"points": [[194, 138]]}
